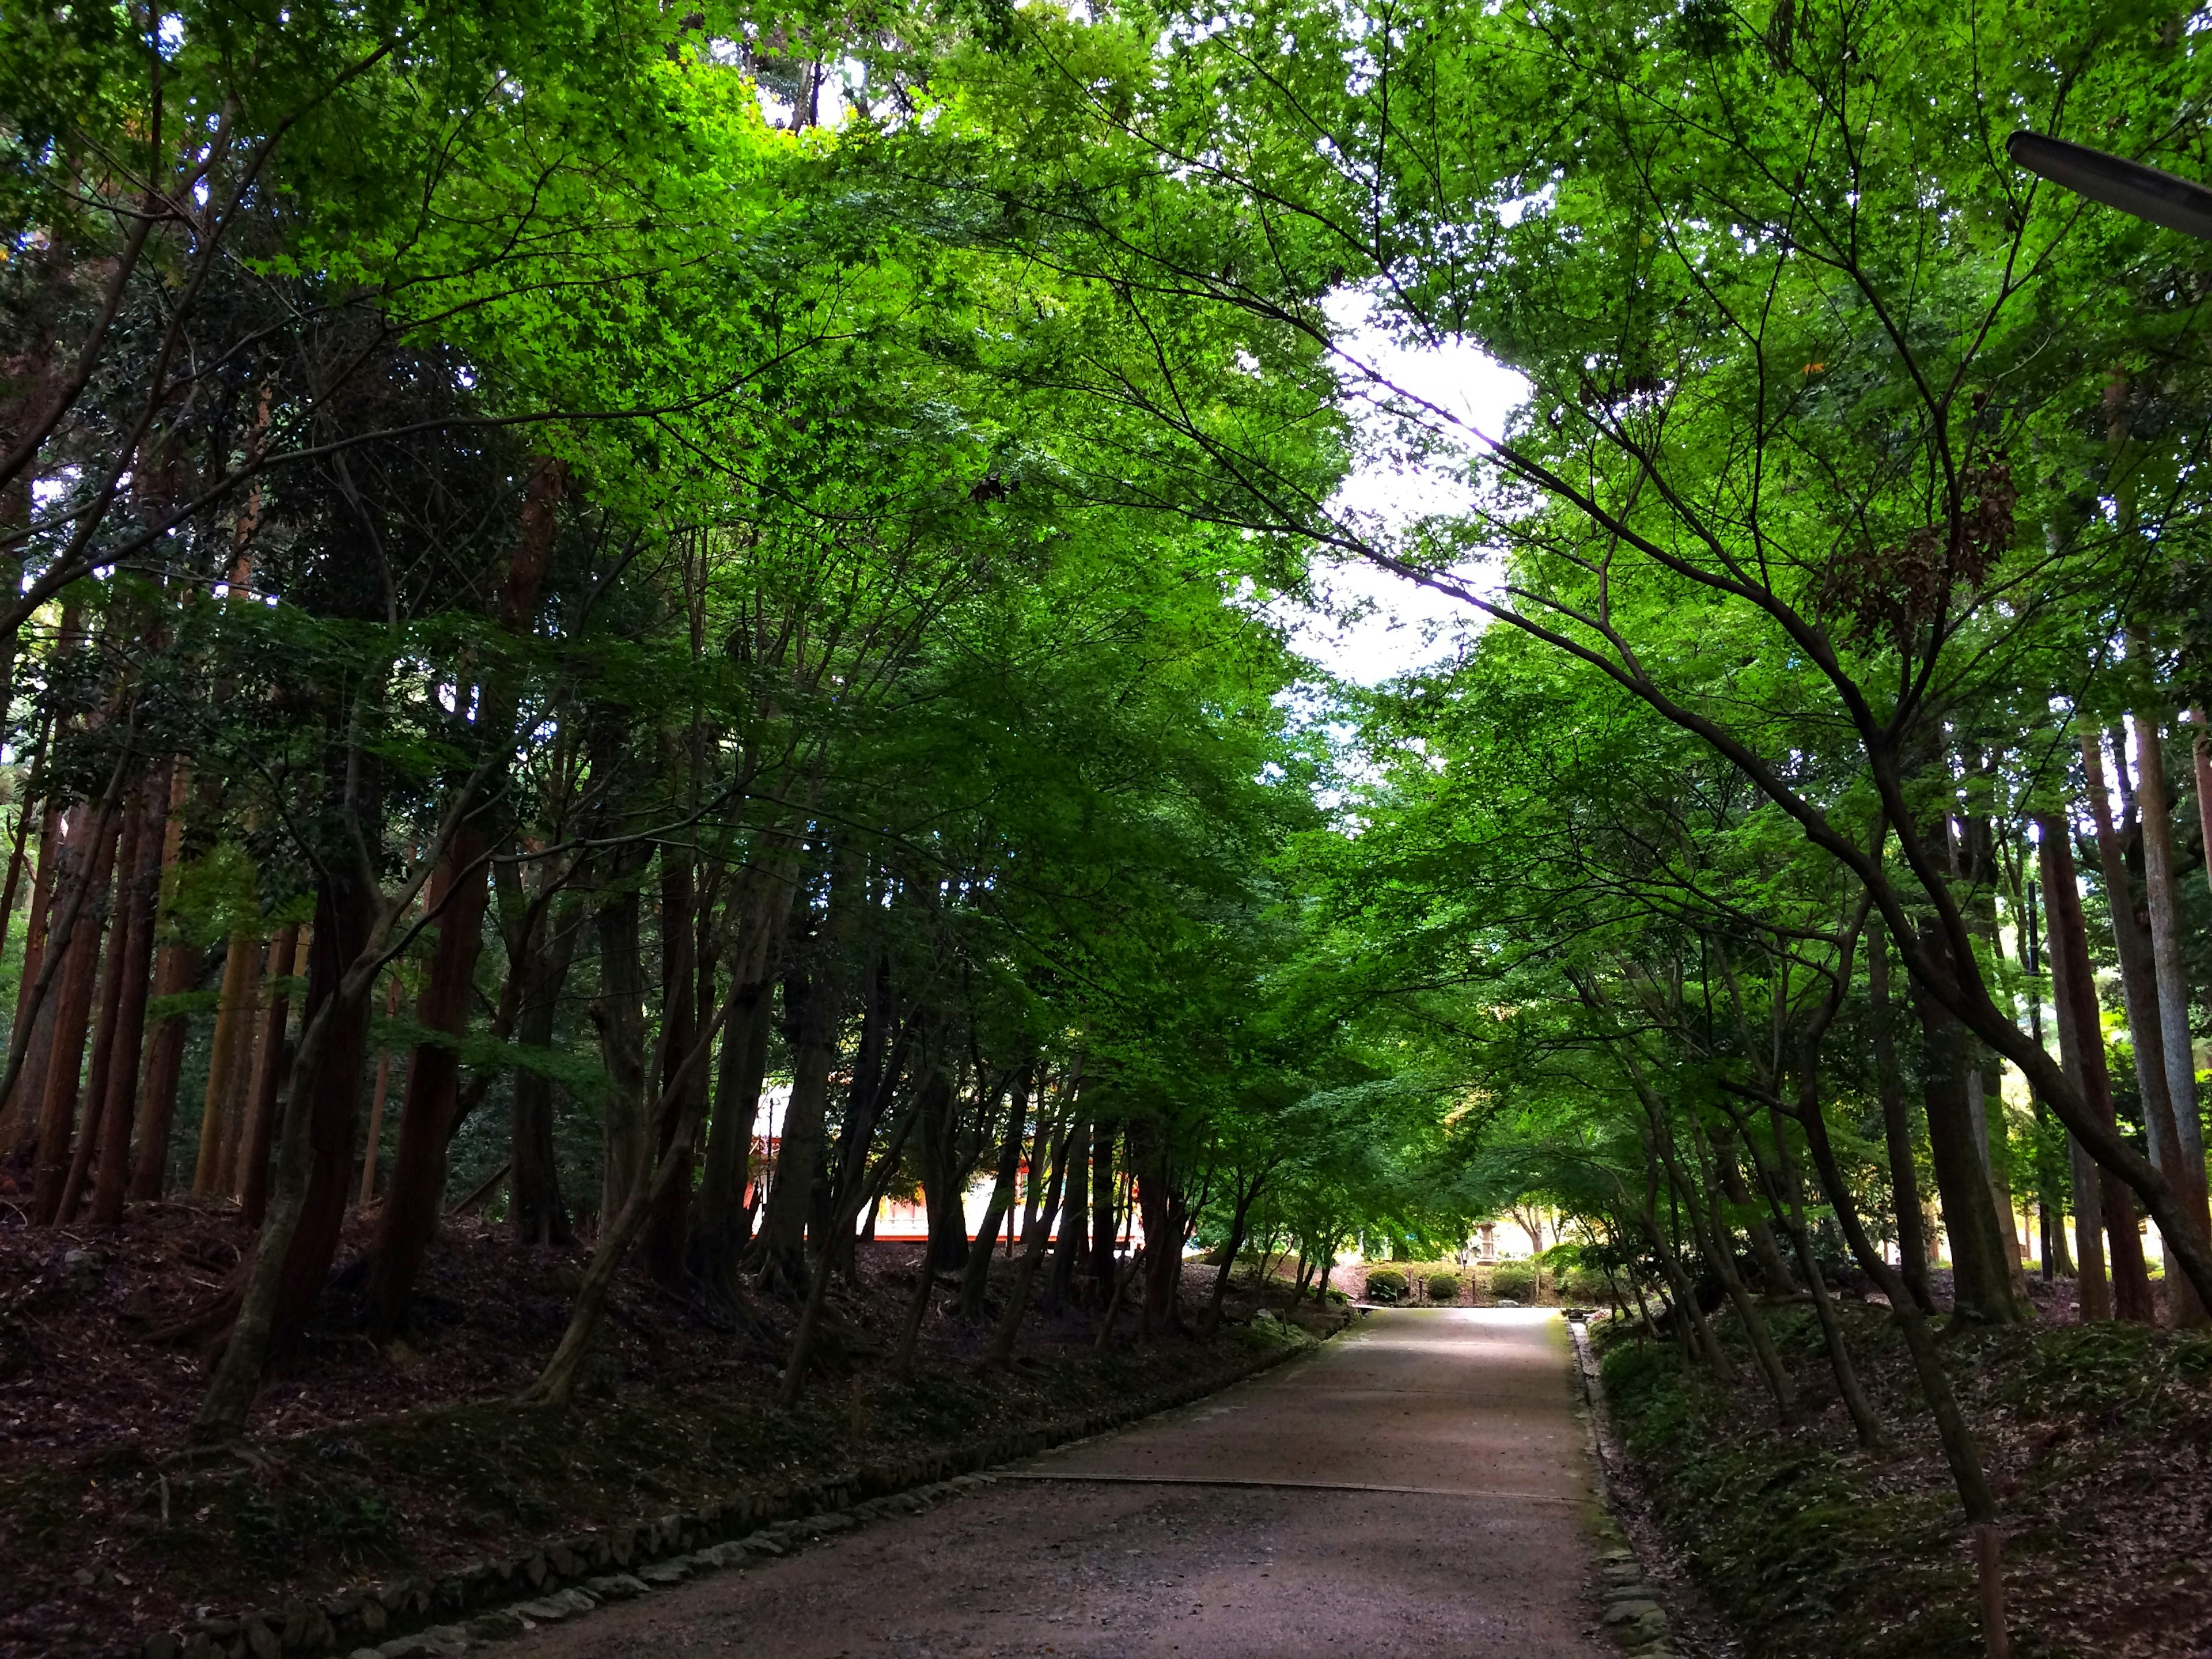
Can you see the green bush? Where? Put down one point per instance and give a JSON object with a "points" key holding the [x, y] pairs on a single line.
{"points": [[1386, 1285], [1585, 1287], [1514, 1281], [1443, 1287]]}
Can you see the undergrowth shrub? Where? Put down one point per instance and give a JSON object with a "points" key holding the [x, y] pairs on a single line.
{"points": [[1514, 1281], [1386, 1285], [1443, 1287]]}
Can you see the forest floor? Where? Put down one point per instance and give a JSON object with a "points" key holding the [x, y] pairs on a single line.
{"points": [[367, 1462], [2097, 1440]]}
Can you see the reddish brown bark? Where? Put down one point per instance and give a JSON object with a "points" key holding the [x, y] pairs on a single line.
{"points": [[164, 1051], [72, 1004], [2082, 1032], [19, 1114], [134, 949], [408, 1221], [113, 968], [268, 1080], [344, 914], [458, 895], [211, 1171]]}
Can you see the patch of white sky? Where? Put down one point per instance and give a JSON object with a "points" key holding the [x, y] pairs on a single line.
{"points": [[1369, 624]]}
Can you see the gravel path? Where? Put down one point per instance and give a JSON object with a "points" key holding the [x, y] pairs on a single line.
{"points": [[1417, 1487]]}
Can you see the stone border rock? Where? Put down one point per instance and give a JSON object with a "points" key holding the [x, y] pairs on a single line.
{"points": [[1630, 1611], [484, 1601]]}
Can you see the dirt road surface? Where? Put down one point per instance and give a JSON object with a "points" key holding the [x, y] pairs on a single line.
{"points": [[1417, 1487]]}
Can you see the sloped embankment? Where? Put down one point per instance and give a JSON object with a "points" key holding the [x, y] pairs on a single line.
{"points": [[405, 1479], [2098, 1441]]}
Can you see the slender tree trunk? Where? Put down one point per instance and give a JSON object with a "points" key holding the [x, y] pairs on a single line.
{"points": [[293, 1252], [72, 1014], [536, 1210], [209, 1169], [1786, 1193], [1033, 1249], [1772, 1270], [1715, 1245], [373, 1142], [238, 1091], [1981, 1275], [412, 1196], [667, 1225], [264, 1093], [2171, 977], [2082, 1051], [1959, 1452], [1101, 1209], [1897, 1125], [2138, 975], [135, 949], [814, 1007], [1074, 1223], [617, 1012], [1699, 1333], [165, 1051], [1246, 1195], [976, 1275], [115, 966], [944, 1180]]}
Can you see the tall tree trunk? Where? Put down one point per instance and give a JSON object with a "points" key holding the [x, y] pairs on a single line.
{"points": [[1981, 1273], [230, 1165], [173, 971], [536, 1211], [115, 966], [668, 1224], [618, 1013], [135, 949], [1771, 1268], [265, 1091], [1960, 1451], [2138, 977], [408, 1220], [721, 1220], [208, 1170], [2097, 1197], [1101, 1207], [975, 1276], [1033, 1249], [1074, 1227], [943, 1179], [72, 1014], [760, 907], [2170, 977], [19, 1112], [1787, 1194], [1897, 1125], [429, 1110], [813, 1010], [293, 1252], [1245, 1193]]}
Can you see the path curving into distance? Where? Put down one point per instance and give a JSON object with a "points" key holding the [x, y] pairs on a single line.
{"points": [[1418, 1486]]}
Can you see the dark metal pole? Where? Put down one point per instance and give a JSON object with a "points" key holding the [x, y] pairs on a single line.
{"points": [[2146, 192]]}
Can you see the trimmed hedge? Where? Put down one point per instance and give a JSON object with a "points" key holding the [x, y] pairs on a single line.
{"points": [[1443, 1287], [1387, 1284]]}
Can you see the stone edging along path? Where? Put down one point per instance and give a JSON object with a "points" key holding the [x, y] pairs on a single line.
{"points": [[485, 1601], [1632, 1614]]}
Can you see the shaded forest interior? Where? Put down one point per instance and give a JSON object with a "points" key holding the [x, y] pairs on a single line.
{"points": [[690, 728]]}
